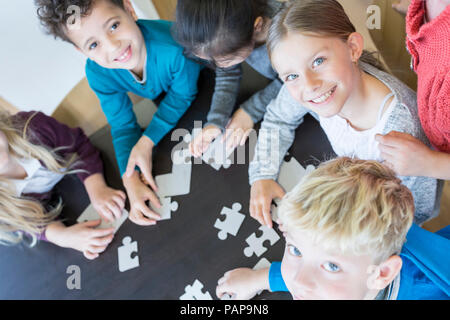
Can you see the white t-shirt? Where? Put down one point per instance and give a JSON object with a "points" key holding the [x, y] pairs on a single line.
{"points": [[39, 179], [358, 144]]}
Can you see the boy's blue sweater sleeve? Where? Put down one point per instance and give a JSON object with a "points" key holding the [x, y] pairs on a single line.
{"points": [[276, 281], [118, 110], [426, 272], [181, 92]]}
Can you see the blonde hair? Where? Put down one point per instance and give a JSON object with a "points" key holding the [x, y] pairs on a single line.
{"points": [[352, 205], [19, 215], [314, 17]]}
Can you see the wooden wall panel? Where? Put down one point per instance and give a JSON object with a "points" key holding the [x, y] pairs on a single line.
{"points": [[166, 8]]}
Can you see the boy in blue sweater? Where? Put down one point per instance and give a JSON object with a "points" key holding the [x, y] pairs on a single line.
{"points": [[345, 226], [127, 56]]}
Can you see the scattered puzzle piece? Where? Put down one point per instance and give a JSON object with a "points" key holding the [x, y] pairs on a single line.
{"points": [[255, 244], [178, 182], [194, 292], [90, 214], [124, 255], [291, 173], [217, 155], [232, 223], [167, 206]]}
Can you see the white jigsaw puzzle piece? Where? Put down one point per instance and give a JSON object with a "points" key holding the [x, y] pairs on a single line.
{"points": [[90, 214], [194, 292], [291, 173], [178, 182], [232, 223], [124, 255], [217, 155], [167, 206], [255, 244]]}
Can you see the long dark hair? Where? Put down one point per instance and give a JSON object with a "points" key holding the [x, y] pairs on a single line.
{"points": [[216, 28]]}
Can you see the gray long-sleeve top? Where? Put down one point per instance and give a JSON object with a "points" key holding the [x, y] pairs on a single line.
{"points": [[228, 83], [284, 115]]}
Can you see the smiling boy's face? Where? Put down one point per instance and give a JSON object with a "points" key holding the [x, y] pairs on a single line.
{"points": [[110, 37], [313, 273]]}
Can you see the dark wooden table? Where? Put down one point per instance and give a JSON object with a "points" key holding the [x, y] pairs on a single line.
{"points": [[173, 253]]}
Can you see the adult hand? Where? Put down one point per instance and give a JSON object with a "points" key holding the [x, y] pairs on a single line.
{"points": [[404, 154]]}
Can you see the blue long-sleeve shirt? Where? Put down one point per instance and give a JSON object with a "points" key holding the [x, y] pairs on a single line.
{"points": [[166, 70], [425, 273]]}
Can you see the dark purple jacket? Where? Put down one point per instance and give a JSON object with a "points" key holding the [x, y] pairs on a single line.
{"points": [[46, 131]]}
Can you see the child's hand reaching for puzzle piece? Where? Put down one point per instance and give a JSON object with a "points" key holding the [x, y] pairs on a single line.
{"points": [[138, 193], [243, 283], [141, 156], [261, 195], [201, 142], [108, 202], [83, 237], [238, 129]]}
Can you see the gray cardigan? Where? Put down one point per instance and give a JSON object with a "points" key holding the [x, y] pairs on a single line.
{"points": [[284, 115]]}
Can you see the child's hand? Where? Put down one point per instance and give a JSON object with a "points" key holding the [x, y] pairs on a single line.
{"points": [[243, 283], [238, 129], [82, 237], [138, 193], [141, 156], [261, 195], [106, 201], [404, 154], [401, 6], [202, 141]]}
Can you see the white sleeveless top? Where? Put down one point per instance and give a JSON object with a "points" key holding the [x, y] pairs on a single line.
{"points": [[347, 141]]}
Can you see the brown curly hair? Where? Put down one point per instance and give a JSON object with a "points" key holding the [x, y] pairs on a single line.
{"points": [[53, 14]]}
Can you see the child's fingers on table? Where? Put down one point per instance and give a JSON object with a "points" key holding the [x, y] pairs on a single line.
{"points": [[147, 212], [266, 214], [115, 209], [96, 249], [119, 201], [151, 196], [102, 241], [138, 218], [259, 214], [146, 171], [130, 167], [90, 255], [101, 232], [92, 223], [245, 136], [106, 213]]}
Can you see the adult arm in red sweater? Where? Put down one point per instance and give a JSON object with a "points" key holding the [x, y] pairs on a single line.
{"points": [[403, 153]]}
